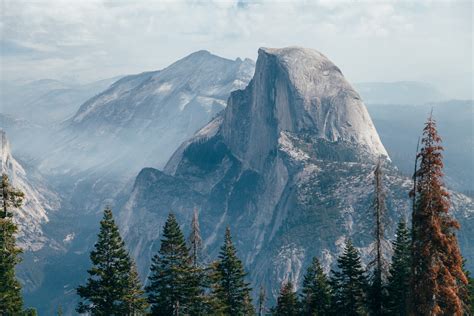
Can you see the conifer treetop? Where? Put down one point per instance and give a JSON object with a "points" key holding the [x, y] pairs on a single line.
{"points": [[438, 279]]}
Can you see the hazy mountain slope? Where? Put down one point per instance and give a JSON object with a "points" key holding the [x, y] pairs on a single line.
{"points": [[47, 101], [141, 119], [137, 122], [399, 127], [288, 166]]}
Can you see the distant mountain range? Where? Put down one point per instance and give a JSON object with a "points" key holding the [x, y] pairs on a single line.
{"points": [[141, 119]]}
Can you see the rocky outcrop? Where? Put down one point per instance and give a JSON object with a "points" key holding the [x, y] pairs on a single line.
{"points": [[39, 199]]}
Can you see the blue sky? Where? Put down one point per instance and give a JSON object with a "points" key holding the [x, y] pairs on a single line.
{"points": [[424, 40]]}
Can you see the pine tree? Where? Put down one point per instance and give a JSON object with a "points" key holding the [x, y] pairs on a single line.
{"points": [[262, 297], [316, 296], [438, 279], [349, 284], [399, 274], [170, 283], [109, 288], [287, 302], [378, 265], [135, 299], [231, 292], [11, 301]]}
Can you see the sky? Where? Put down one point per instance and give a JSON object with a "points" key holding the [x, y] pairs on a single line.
{"points": [[88, 40]]}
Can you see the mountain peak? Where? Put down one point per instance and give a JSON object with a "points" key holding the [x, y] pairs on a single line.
{"points": [[296, 90], [200, 56], [201, 52]]}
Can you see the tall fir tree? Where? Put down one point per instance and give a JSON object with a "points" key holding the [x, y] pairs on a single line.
{"points": [[230, 290], [170, 285], [316, 292], [349, 284], [11, 302], [135, 299], [287, 302], [111, 284], [437, 276], [378, 266], [399, 274]]}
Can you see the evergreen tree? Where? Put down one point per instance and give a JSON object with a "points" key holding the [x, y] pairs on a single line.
{"points": [[111, 284], [11, 301], [287, 303], [135, 299], [399, 276], [170, 282], [316, 296], [437, 275], [378, 266], [349, 284], [231, 292]]}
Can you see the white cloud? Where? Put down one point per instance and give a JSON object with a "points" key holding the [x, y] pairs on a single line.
{"points": [[370, 40]]}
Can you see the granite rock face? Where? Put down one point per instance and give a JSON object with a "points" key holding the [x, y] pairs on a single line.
{"points": [[288, 165], [39, 200]]}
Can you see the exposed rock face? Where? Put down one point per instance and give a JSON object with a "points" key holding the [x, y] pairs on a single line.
{"points": [[39, 200], [296, 90], [288, 166]]}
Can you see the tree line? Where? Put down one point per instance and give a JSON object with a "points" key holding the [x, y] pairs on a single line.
{"points": [[424, 276]]}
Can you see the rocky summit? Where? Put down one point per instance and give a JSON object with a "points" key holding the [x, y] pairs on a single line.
{"points": [[288, 166]]}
